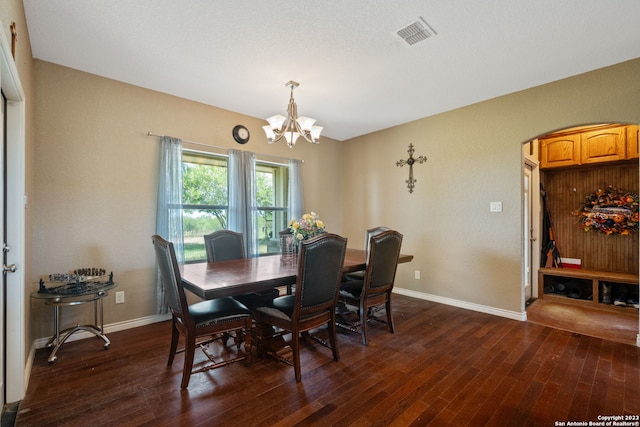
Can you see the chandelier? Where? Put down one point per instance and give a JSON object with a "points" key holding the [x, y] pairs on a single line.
{"points": [[292, 126]]}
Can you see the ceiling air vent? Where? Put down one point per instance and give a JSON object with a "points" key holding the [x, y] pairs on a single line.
{"points": [[416, 31]]}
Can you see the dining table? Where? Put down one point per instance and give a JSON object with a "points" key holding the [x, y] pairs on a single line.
{"points": [[210, 280]]}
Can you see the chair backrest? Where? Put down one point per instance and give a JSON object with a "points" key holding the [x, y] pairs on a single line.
{"points": [[319, 274], [170, 276], [384, 251], [224, 245], [367, 238]]}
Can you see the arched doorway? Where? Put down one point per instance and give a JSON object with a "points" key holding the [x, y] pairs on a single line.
{"points": [[574, 164]]}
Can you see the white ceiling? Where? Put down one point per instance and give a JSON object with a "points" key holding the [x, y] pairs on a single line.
{"points": [[356, 76]]}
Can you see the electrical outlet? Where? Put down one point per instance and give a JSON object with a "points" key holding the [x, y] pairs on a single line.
{"points": [[417, 274], [120, 297], [495, 207]]}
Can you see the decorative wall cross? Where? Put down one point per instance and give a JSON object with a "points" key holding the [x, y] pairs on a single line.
{"points": [[410, 161], [14, 38]]}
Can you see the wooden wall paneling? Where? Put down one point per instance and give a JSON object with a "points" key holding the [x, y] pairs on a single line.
{"points": [[566, 191]]}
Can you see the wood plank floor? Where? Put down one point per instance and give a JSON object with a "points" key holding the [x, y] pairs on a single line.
{"points": [[619, 326], [444, 366]]}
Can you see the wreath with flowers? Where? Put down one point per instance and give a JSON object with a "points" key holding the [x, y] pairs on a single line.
{"points": [[610, 211], [307, 227]]}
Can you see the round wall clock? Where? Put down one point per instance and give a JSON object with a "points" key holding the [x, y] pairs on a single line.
{"points": [[241, 134]]}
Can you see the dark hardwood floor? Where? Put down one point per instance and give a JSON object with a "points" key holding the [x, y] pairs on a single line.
{"points": [[444, 366], [618, 325]]}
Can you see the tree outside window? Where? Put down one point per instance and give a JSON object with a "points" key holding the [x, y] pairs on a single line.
{"points": [[206, 202]]}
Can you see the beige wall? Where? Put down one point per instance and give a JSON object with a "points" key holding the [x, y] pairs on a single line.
{"points": [[96, 178], [463, 251]]}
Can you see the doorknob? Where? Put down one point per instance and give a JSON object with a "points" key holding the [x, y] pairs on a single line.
{"points": [[8, 268]]}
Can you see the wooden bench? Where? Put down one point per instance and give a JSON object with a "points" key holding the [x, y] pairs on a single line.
{"points": [[548, 276]]}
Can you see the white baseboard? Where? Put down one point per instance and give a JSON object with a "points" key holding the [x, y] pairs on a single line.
{"points": [[463, 304], [113, 327]]}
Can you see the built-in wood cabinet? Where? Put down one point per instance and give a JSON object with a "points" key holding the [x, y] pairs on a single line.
{"points": [[632, 142], [603, 145], [560, 151], [586, 146]]}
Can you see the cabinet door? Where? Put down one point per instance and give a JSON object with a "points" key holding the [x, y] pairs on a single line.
{"points": [[632, 142], [605, 145], [560, 151]]}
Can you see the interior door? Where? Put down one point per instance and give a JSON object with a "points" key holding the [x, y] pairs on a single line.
{"points": [[530, 223], [528, 238], [13, 212], [3, 229]]}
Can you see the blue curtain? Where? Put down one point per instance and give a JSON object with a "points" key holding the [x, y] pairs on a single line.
{"points": [[251, 200], [237, 218], [169, 210], [242, 196]]}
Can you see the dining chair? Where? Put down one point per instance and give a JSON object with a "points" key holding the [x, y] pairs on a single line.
{"points": [[376, 286], [226, 245], [359, 275], [313, 304], [210, 318]]}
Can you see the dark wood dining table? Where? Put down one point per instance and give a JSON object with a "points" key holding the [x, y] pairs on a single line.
{"points": [[210, 280]]}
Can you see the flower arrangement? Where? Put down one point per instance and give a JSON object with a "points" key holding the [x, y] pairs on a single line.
{"points": [[308, 226], [610, 211]]}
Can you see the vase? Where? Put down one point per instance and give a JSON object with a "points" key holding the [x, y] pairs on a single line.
{"points": [[288, 248]]}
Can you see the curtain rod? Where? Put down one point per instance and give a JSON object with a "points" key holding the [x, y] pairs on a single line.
{"points": [[149, 133], [188, 141]]}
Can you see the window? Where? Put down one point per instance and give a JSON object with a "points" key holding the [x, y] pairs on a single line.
{"points": [[206, 202], [272, 184]]}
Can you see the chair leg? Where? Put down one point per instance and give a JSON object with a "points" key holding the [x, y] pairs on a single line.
{"points": [[333, 338], [189, 351], [259, 336], [295, 346], [175, 336], [363, 323], [392, 328], [247, 342]]}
